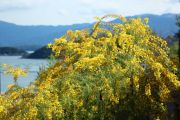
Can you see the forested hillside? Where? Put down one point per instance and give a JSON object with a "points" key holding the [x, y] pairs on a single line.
{"points": [[37, 36]]}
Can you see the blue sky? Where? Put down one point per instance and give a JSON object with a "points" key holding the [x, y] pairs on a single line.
{"points": [[63, 12]]}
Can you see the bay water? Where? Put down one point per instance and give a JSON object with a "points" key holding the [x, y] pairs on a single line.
{"points": [[33, 66]]}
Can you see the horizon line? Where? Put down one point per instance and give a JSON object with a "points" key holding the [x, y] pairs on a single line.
{"points": [[51, 25]]}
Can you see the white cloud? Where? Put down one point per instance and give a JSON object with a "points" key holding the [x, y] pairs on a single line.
{"points": [[174, 9], [11, 5], [78, 11], [8, 5]]}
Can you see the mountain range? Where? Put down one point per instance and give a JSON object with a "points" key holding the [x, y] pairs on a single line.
{"points": [[25, 37]]}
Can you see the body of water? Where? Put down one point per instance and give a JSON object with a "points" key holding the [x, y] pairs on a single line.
{"points": [[33, 66]]}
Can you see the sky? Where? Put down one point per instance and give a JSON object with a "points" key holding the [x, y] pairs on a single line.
{"points": [[66, 12]]}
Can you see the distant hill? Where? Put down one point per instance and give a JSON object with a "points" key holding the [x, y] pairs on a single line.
{"points": [[28, 36], [11, 51], [17, 35], [40, 53]]}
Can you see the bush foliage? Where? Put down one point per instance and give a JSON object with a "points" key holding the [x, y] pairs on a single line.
{"points": [[114, 71]]}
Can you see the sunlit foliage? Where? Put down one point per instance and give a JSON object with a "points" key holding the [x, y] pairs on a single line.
{"points": [[114, 71], [16, 72]]}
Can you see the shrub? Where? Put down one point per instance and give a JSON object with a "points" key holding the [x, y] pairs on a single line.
{"points": [[114, 71]]}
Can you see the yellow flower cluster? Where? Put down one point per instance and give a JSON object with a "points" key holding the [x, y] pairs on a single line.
{"points": [[90, 63], [108, 72], [15, 72]]}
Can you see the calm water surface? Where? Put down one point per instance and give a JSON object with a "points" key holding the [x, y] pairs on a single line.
{"points": [[32, 64]]}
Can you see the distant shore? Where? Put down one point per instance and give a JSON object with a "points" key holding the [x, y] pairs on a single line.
{"points": [[12, 51]]}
